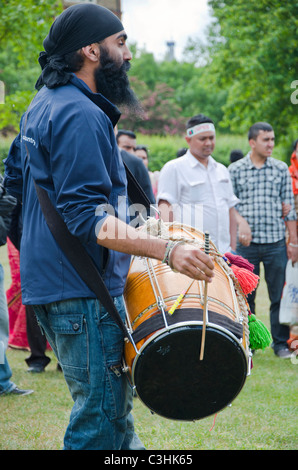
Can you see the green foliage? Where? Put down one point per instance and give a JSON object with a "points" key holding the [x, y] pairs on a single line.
{"points": [[255, 60], [23, 27], [4, 149], [170, 93], [13, 109]]}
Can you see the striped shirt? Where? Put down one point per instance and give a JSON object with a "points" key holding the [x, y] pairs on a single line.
{"points": [[261, 192]]}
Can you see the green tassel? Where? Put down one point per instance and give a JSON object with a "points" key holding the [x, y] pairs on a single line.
{"points": [[259, 335]]}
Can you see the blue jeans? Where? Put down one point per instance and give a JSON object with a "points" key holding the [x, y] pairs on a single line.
{"points": [[5, 372], [89, 347], [274, 259]]}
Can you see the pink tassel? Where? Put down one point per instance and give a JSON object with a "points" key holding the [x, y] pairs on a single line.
{"points": [[239, 261], [247, 280]]}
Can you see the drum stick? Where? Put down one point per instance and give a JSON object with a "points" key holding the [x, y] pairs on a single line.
{"points": [[207, 250]]}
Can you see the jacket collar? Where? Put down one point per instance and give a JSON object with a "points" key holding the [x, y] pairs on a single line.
{"points": [[97, 98]]}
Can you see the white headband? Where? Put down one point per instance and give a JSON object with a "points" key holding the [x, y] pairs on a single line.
{"points": [[204, 127]]}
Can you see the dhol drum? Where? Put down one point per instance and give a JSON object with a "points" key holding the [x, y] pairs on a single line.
{"points": [[163, 360]]}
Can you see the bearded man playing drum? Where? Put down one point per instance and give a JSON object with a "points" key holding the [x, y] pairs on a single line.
{"points": [[68, 147]]}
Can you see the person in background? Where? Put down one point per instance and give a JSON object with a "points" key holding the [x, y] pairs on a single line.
{"points": [[7, 387], [180, 152], [262, 183], [293, 169], [142, 152], [127, 143], [197, 190], [236, 155]]}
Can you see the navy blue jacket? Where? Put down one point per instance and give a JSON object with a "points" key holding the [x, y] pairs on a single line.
{"points": [[74, 156]]}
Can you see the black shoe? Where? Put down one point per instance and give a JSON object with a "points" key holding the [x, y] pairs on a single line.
{"points": [[18, 391]]}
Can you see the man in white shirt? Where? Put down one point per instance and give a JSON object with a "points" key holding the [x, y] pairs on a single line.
{"points": [[196, 190]]}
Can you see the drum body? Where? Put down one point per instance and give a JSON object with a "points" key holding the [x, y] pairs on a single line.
{"points": [[164, 360]]}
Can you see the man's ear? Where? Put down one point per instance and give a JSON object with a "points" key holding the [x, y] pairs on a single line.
{"points": [[91, 52], [252, 143]]}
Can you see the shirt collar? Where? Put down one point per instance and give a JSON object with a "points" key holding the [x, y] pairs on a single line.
{"points": [[268, 161], [97, 98], [194, 162]]}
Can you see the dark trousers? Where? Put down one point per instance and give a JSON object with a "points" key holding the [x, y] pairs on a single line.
{"points": [[274, 259], [36, 339]]}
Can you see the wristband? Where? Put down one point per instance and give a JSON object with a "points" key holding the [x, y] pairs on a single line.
{"points": [[169, 245], [293, 245], [171, 252]]}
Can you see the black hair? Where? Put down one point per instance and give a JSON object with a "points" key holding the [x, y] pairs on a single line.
{"points": [[142, 147], [74, 61], [180, 152], [198, 119], [257, 127], [236, 155], [130, 134]]}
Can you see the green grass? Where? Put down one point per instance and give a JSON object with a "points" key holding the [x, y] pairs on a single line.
{"points": [[262, 417]]}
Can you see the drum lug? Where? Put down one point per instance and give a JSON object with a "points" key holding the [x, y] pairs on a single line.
{"points": [[125, 369], [249, 363]]}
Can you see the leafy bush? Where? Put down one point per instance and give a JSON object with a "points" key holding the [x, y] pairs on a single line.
{"points": [[4, 149], [163, 149]]}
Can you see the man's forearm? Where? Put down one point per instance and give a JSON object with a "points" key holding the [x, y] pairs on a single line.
{"points": [[292, 230], [118, 236], [186, 259]]}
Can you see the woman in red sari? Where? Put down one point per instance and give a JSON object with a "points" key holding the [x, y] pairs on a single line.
{"points": [[17, 312]]}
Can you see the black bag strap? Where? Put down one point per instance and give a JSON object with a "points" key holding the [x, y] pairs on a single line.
{"points": [[135, 191], [78, 256]]}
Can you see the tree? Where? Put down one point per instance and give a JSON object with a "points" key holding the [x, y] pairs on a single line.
{"points": [[253, 50], [23, 27], [161, 114]]}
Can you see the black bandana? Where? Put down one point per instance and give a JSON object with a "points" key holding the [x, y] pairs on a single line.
{"points": [[78, 26]]}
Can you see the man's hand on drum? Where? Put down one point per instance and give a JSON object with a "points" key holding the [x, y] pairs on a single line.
{"points": [[192, 262]]}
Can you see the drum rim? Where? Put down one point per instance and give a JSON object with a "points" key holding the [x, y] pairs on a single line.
{"points": [[176, 326], [185, 324]]}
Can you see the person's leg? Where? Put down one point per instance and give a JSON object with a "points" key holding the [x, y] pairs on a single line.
{"points": [[37, 361], [275, 262], [6, 385], [89, 348]]}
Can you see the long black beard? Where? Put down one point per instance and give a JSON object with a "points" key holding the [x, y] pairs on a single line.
{"points": [[113, 83]]}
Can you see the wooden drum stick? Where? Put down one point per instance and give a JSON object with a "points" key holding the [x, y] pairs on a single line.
{"points": [[207, 250]]}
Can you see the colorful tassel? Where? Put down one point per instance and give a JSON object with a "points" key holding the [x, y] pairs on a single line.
{"points": [[239, 261], [247, 280], [259, 335]]}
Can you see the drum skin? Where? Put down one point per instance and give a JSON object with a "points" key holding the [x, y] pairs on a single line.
{"points": [[167, 373]]}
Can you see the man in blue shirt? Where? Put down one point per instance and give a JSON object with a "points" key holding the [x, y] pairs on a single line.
{"points": [[68, 147]]}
